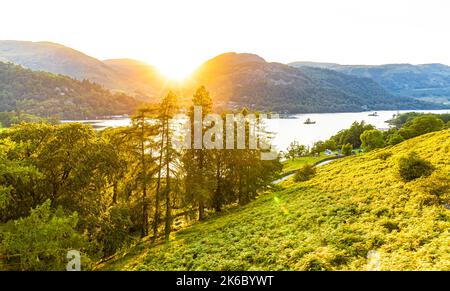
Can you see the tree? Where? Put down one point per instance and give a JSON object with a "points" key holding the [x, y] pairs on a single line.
{"points": [[395, 138], [14, 177], [41, 240], [372, 139], [114, 228], [71, 166], [67, 164], [407, 133], [318, 147], [198, 181], [347, 149], [330, 144], [126, 150], [400, 120], [123, 210], [352, 135], [216, 177], [421, 125], [296, 150], [143, 131], [168, 108], [250, 173]]}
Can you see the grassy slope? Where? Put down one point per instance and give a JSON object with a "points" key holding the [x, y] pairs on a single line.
{"points": [[352, 206], [294, 164]]}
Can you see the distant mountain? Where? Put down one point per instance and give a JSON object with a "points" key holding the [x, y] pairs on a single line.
{"points": [[236, 80], [248, 80], [120, 75], [429, 82], [142, 79], [47, 94]]}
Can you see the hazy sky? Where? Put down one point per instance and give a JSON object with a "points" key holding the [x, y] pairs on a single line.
{"points": [[181, 34]]}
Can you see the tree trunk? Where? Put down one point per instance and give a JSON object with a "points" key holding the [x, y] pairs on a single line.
{"points": [[201, 210], [167, 192], [218, 192], [144, 231], [168, 223], [201, 204], [114, 198], [156, 217], [240, 189]]}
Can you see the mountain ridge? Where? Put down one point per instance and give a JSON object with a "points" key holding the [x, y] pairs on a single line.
{"points": [[248, 80], [59, 59], [429, 82], [235, 80]]}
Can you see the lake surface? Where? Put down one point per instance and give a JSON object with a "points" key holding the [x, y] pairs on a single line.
{"points": [[327, 125], [291, 129]]}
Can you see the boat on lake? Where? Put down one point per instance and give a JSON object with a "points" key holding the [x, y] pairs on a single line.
{"points": [[373, 114], [309, 121]]}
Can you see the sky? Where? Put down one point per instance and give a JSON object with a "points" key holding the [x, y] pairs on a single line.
{"points": [[178, 35]]}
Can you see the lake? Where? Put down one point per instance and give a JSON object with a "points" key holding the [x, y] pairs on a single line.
{"points": [[293, 128]]}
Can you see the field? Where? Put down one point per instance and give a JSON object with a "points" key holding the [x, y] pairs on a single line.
{"points": [[353, 207]]}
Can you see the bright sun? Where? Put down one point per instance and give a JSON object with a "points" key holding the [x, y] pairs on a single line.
{"points": [[176, 71]]}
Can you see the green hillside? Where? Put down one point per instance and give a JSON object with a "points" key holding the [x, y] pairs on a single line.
{"points": [[46, 94], [352, 206]]}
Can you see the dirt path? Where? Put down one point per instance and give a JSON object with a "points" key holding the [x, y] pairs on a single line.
{"points": [[292, 174]]}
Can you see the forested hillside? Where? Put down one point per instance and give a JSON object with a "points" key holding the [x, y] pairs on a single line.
{"points": [[45, 94]]}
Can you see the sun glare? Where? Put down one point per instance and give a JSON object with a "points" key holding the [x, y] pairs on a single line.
{"points": [[176, 71], [175, 65]]}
